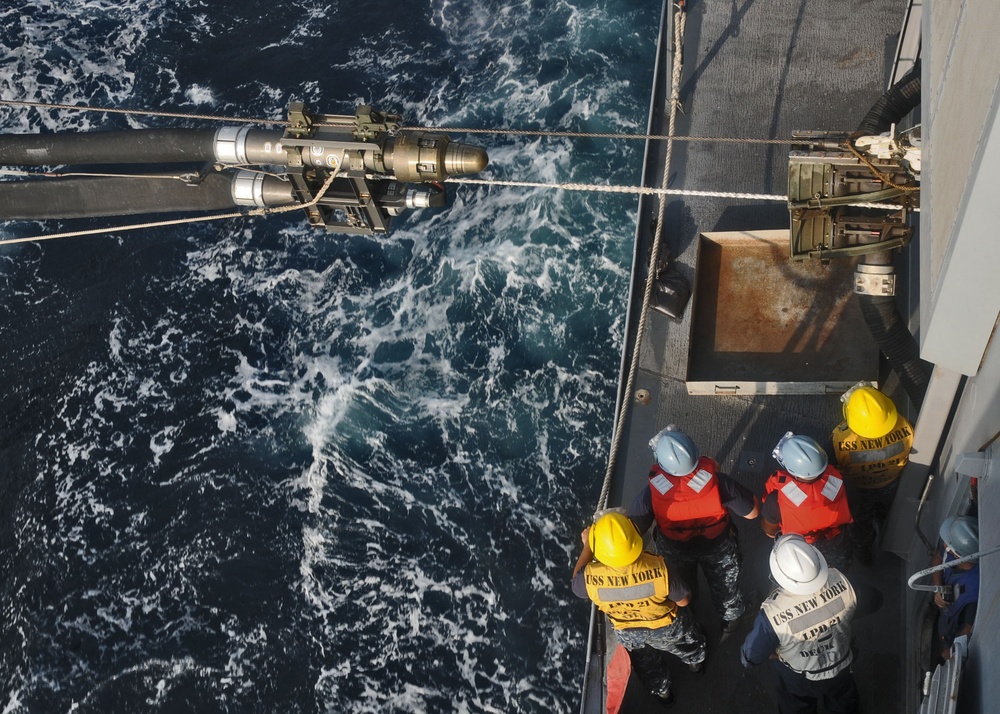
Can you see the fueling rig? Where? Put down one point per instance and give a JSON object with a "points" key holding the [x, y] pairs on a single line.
{"points": [[349, 174]]}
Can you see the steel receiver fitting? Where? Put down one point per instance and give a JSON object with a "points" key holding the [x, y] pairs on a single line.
{"points": [[875, 280], [373, 162], [419, 156]]}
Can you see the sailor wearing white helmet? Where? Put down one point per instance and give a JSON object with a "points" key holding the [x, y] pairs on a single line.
{"points": [[804, 630], [958, 605]]}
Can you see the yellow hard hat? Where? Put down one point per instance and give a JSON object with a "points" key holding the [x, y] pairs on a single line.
{"points": [[870, 413], [614, 540]]}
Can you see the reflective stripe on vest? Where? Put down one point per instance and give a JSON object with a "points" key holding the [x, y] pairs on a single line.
{"points": [[811, 508], [635, 595], [688, 506], [814, 631]]}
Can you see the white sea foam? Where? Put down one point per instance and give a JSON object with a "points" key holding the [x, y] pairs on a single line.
{"points": [[421, 412], [200, 95]]}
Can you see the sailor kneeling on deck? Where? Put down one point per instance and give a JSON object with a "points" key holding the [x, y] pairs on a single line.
{"points": [[645, 604], [807, 496], [804, 630], [691, 501], [959, 598]]}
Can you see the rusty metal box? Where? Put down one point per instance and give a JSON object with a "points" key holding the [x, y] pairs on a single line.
{"points": [[763, 324]]}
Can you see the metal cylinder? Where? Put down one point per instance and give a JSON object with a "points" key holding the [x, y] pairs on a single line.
{"points": [[248, 189], [240, 146], [419, 156], [887, 325], [328, 157], [231, 144], [397, 196], [252, 188], [462, 158], [418, 199], [874, 280]]}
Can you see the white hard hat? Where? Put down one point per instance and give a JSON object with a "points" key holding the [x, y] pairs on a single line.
{"points": [[961, 534], [797, 566]]}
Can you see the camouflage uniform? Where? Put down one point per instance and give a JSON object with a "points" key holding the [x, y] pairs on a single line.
{"points": [[683, 639], [718, 554], [721, 561]]}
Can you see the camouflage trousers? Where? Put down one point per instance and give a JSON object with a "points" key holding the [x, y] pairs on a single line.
{"points": [[869, 506], [720, 559], [682, 638], [837, 550]]}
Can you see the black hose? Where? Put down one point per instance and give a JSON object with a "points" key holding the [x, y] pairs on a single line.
{"points": [[143, 146], [881, 313], [90, 197], [886, 325], [893, 106]]}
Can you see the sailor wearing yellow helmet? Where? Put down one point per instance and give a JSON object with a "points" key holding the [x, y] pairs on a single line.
{"points": [[871, 445], [646, 606]]}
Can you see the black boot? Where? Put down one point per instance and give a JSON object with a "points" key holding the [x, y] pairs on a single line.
{"points": [[653, 673]]}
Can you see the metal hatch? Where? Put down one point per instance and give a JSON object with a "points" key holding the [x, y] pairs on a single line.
{"points": [[763, 324]]}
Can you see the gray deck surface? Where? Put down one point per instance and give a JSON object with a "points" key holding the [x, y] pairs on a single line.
{"points": [[755, 69]]}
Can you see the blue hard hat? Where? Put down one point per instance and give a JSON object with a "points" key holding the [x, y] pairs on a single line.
{"points": [[676, 452], [802, 457], [960, 534]]}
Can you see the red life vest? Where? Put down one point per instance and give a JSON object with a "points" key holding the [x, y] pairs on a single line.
{"points": [[814, 509], [688, 506]]}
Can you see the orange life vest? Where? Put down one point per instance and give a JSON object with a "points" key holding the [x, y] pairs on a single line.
{"points": [[813, 509], [688, 506]]}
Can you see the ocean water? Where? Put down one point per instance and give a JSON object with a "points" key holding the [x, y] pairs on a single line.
{"points": [[254, 467]]}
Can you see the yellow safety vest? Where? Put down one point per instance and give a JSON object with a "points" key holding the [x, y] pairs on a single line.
{"points": [[634, 595], [873, 463]]}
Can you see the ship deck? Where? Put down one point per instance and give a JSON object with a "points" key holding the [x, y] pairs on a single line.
{"points": [[758, 70]]}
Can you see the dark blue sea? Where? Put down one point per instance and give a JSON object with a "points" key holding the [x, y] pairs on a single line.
{"points": [[255, 467]]}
